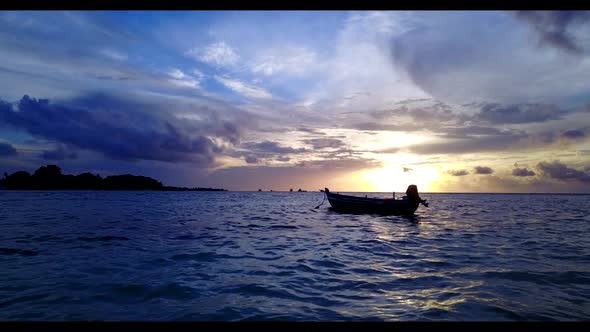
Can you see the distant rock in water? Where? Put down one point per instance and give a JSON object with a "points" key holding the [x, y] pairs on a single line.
{"points": [[50, 178]]}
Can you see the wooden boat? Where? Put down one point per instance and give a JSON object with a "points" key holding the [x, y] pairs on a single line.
{"points": [[407, 205]]}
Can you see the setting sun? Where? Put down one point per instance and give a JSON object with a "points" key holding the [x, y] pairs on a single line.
{"points": [[397, 178]]}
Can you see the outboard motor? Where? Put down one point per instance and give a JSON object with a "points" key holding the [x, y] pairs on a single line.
{"points": [[412, 193]]}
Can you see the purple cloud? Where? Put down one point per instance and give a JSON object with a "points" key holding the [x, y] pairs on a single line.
{"points": [[482, 170], [522, 172], [7, 150]]}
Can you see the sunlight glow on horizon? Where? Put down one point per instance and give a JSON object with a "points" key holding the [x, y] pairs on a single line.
{"points": [[393, 178]]}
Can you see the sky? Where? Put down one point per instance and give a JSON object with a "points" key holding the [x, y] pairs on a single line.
{"points": [[484, 101]]}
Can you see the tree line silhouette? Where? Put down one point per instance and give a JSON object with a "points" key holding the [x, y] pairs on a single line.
{"points": [[50, 178]]}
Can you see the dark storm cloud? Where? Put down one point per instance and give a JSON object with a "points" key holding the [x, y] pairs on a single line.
{"points": [[7, 150], [323, 143], [272, 147], [573, 134], [461, 172], [522, 172], [554, 27], [482, 170], [494, 113], [251, 160], [59, 153], [557, 170], [121, 128], [436, 111]]}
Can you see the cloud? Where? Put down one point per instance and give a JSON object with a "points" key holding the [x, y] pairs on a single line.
{"points": [[461, 172], [522, 172], [471, 145], [555, 27], [557, 170], [310, 130], [244, 88], [283, 158], [350, 164], [496, 113], [122, 128], [251, 160], [59, 153], [179, 78], [272, 147], [218, 54], [455, 63], [114, 55], [469, 131], [506, 139], [573, 134], [284, 60], [324, 143], [7, 150], [482, 170]]}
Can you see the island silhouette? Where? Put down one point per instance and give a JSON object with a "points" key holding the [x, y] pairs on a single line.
{"points": [[50, 178]]}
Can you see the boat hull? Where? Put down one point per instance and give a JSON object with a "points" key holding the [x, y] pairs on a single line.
{"points": [[353, 204]]}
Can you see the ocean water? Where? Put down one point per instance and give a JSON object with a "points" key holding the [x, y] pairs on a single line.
{"points": [[233, 256]]}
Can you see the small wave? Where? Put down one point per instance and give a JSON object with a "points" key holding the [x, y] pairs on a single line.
{"points": [[564, 278], [22, 252], [259, 290], [144, 292], [21, 299], [509, 314], [259, 218], [368, 271], [202, 257], [189, 237], [283, 227], [46, 238], [327, 263], [102, 238], [305, 268]]}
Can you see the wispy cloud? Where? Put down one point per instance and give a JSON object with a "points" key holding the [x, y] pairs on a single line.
{"points": [[243, 88], [272, 147], [114, 55], [288, 60], [218, 54], [179, 78], [324, 143]]}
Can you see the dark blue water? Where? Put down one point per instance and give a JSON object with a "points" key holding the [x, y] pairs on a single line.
{"points": [[266, 256]]}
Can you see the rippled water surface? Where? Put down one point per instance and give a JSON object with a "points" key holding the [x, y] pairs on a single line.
{"points": [[269, 256]]}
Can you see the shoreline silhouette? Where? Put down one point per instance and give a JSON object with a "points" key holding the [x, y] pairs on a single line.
{"points": [[50, 178]]}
